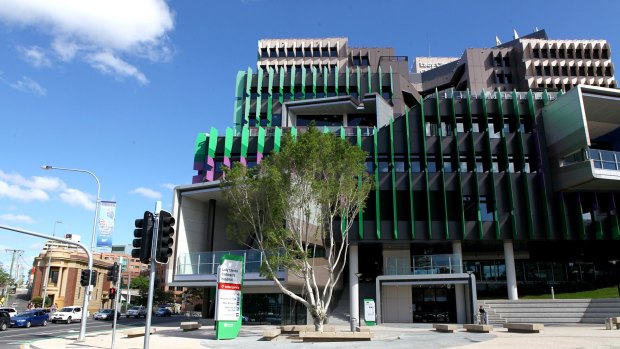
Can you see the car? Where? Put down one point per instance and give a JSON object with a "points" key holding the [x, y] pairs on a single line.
{"points": [[106, 314], [68, 314], [163, 312], [5, 320], [29, 318], [12, 311], [136, 311]]}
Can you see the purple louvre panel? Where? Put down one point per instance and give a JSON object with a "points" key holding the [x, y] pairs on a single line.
{"points": [[259, 157], [210, 173]]}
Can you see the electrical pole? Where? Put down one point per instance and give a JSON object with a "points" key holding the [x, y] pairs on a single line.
{"points": [[6, 287]]}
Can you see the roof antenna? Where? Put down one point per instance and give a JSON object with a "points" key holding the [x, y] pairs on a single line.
{"points": [[515, 35], [497, 41], [535, 29]]}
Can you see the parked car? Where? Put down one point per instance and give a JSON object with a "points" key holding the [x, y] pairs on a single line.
{"points": [[5, 320], [163, 312], [29, 318], [12, 311], [106, 314], [68, 314], [136, 311]]}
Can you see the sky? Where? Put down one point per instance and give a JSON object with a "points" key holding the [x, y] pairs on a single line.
{"points": [[122, 88]]}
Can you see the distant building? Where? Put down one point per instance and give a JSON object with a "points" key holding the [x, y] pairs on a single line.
{"points": [[530, 62]]}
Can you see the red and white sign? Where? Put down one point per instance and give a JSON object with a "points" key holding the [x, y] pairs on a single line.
{"points": [[229, 278]]}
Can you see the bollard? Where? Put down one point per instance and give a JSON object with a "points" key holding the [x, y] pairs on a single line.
{"points": [[608, 323], [353, 324], [552, 293]]}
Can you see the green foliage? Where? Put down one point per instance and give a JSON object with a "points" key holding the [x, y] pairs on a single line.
{"points": [[140, 282], [307, 195], [38, 300], [4, 278], [608, 292]]}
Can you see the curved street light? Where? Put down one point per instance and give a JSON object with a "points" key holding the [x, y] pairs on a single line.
{"points": [[92, 238]]}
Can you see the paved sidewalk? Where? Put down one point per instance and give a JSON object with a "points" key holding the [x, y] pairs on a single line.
{"points": [[392, 336]]}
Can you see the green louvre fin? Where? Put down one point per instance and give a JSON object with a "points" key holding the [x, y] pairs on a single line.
{"points": [[410, 174], [303, 82], [293, 76], [347, 78], [377, 191], [360, 228], [248, 101], [281, 97], [325, 81], [314, 79], [212, 142], [261, 141], [393, 175], [270, 98], [294, 133], [391, 83], [442, 172], [277, 139], [239, 100], [336, 75], [259, 93], [359, 84], [474, 174], [245, 141], [459, 175], [228, 142], [380, 75], [425, 164], [200, 148]]}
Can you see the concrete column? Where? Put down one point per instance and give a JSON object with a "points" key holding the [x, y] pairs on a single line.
{"points": [[511, 275], [354, 291], [459, 289]]}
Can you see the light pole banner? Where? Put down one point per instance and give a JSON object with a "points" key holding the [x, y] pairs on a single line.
{"points": [[228, 297], [105, 223]]}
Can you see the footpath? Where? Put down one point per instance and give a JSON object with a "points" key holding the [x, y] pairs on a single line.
{"points": [[392, 336]]}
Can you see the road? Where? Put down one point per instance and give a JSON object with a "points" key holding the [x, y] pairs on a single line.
{"points": [[12, 338]]}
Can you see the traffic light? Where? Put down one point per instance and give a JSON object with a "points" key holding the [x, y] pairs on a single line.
{"points": [[93, 277], [112, 293], [85, 277], [113, 272], [143, 241], [165, 232]]}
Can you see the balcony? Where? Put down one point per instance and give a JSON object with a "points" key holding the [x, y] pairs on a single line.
{"points": [[582, 128], [423, 265]]}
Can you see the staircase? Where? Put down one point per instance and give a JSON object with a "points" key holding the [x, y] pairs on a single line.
{"points": [[591, 311], [339, 315]]}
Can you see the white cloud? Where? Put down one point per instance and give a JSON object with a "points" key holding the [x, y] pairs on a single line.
{"points": [[26, 84], [107, 63], [14, 186], [168, 186], [35, 56], [80, 29], [9, 217], [147, 193], [78, 198]]}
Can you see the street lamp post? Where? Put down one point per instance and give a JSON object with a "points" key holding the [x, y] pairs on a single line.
{"points": [[47, 270], [92, 238]]}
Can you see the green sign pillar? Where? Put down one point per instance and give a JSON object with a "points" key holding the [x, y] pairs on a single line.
{"points": [[228, 298]]}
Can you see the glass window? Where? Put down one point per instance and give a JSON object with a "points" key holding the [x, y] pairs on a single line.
{"points": [[486, 209], [370, 167], [431, 166], [384, 166], [364, 61], [399, 166]]}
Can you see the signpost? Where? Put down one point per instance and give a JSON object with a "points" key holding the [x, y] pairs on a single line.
{"points": [[228, 297], [369, 312]]}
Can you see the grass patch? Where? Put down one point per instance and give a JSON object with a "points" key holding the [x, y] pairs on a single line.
{"points": [[609, 292]]}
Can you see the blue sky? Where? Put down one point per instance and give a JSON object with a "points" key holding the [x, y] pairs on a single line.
{"points": [[122, 88]]}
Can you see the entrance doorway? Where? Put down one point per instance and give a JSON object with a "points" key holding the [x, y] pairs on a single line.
{"points": [[433, 303]]}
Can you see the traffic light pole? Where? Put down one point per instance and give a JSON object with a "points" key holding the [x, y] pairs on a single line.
{"points": [[116, 296], [90, 267], [149, 306]]}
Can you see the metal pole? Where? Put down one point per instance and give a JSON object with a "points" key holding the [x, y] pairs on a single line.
{"points": [[90, 267], [47, 275], [92, 238], [116, 296], [149, 306], [7, 293], [128, 284]]}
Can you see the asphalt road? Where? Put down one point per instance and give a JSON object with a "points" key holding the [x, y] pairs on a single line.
{"points": [[15, 336]]}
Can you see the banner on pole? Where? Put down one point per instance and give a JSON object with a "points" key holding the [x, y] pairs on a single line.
{"points": [[228, 297], [105, 223]]}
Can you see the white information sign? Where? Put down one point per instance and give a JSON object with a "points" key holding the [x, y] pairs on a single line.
{"points": [[229, 277], [369, 310]]}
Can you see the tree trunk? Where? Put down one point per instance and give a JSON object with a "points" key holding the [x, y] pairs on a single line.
{"points": [[318, 324]]}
